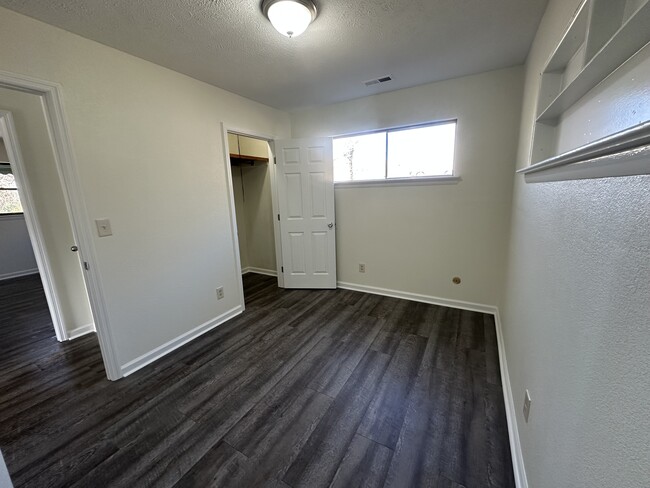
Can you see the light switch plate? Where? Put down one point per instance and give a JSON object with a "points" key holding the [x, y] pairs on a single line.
{"points": [[103, 227]]}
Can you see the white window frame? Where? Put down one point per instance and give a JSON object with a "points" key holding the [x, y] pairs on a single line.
{"points": [[452, 179]]}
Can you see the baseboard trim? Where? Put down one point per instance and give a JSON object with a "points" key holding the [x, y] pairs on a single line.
{"points": [[416, 297], [160, 351], [511, 412], [262, 271], [81, 331], [18, 274]]}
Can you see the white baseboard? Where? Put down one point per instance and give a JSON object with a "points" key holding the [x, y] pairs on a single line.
{"points": [[160, 351], [513, 432], [262, 271], [80, 331], [416, 297], [18, 274], [511, 412]]}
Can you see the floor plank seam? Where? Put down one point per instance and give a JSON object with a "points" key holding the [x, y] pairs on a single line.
{"points": [[292, 380]]}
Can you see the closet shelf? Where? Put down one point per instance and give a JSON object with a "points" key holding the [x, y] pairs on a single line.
{"points": [[239, 159]]}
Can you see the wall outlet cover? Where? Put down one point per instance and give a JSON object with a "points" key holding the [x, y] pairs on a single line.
{"points": [[220, 293], [362, 268]]}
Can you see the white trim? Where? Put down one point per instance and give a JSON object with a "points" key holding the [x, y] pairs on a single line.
{"points": [[625, 153], [8, 132], [225, 128], [275, 204], [518, 466], [417, 181], [81, 331], [416, 297], [233, 215], [628, 163], [51, 97], [164, 349], [262, 271], [18, 274]]}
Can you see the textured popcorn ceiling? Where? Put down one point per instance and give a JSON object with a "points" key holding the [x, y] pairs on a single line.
{"points": [[230, 44]]}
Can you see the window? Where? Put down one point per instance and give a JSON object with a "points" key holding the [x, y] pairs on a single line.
{"points": [[9, 200], [408, 152]]}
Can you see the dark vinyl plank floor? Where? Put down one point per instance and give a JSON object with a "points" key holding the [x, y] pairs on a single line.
{"points": [[307, 388]]}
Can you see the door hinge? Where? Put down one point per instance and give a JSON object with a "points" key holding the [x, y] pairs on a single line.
{"points": [[282, 268], [278, 217], [275, 160], [86, 265]]}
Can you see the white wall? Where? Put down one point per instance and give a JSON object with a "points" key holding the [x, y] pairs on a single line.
{"points": [[259, 217], [240, 212], [254, 211], [150, 157], [49, 203], [16, 254], [417, 238], [576, 313]]}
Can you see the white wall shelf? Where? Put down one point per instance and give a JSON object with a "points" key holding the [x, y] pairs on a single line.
{"points": [[626, 153], [602, 37]]}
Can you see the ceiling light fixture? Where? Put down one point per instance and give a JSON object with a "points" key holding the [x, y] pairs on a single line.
{"points": [[289, 17]]}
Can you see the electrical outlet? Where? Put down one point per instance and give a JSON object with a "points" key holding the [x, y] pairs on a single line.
{"points": [[220, 293], [527, 402], [362, 268]]}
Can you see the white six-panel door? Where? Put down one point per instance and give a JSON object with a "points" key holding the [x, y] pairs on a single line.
{"points": [[306, 201]]}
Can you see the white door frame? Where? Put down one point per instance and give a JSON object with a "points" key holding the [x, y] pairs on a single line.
{"points": [[225, 128], [50, 94], [8, 133]]}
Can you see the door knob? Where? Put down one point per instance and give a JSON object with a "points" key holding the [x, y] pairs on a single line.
{"points": [[330, 225], [74, 248]]}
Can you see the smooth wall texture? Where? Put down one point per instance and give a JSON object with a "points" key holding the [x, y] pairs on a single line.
{"points": [[49, 203], [576, 310], [240, 212], [150, 158], [252, 189], [259, 217], [16, 254], [417, 238]]}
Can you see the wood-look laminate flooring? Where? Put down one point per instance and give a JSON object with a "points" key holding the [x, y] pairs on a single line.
{"points": [[304, 389]]}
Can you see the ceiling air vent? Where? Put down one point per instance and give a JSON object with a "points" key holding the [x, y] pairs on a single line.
{"points": [[376, 81]]}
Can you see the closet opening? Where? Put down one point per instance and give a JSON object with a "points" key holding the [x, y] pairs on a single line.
{"points": [[253, 184]]}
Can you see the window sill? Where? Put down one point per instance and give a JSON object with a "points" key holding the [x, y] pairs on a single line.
{"points": [[432, 180]]}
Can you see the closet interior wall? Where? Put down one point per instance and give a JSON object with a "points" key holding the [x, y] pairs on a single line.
{"points": [[254, 213]]}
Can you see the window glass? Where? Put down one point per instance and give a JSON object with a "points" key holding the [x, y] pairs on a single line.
{"points": [[424, 151], [360, 157], [9, 200], [410, 152]]}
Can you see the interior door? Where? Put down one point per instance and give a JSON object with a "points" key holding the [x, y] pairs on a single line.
{"points": [[306, 201]]}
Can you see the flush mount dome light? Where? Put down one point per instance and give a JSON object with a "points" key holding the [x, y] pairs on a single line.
{"points": [[289, 17]]}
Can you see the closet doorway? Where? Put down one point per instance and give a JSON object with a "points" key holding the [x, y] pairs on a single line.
{"points": [[253, 184]]}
